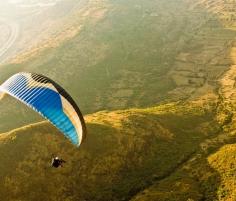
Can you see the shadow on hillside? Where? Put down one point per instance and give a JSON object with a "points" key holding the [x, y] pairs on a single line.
{"points": [[219, 181], [194, 180], [165, 179], [99, 138], [210, 182]]}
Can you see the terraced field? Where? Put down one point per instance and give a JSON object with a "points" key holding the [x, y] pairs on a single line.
{"points": [[224, 10]]}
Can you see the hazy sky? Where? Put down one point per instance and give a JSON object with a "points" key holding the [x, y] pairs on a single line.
{"points": [[29, 2], [11, 8]]}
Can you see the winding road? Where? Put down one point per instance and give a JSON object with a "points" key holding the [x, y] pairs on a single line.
{"points": [[14, 32]]}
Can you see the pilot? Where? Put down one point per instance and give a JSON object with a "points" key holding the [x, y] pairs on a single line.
{"points": [[57, 162]]}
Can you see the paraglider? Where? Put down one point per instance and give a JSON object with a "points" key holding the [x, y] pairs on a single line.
{"points": [[57, 162], [50, 100]]}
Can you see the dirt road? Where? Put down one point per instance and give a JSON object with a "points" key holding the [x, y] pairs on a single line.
{"points": [[14, 32]]}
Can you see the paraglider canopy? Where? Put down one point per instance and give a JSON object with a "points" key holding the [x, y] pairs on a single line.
{"points": [[50, 100]]}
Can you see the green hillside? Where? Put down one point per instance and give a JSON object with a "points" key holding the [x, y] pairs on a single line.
{"points": [[125, 152], [208, 175]]}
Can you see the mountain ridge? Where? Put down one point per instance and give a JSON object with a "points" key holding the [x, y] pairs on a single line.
{"points": [[139, 135]]}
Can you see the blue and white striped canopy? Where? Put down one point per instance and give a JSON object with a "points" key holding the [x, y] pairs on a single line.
{"points": [[50, 100]]}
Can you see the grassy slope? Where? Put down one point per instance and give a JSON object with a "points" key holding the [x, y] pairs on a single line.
{"points": [[224, 163], [125, 151]]}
